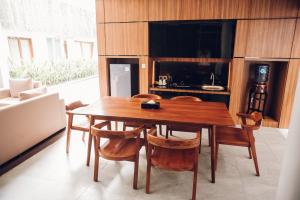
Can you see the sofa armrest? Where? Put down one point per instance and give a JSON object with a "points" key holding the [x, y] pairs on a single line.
{"points": [[4, 93]]}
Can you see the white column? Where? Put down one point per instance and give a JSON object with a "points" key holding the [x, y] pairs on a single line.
{"points": [[289, 182], [4, 74]]}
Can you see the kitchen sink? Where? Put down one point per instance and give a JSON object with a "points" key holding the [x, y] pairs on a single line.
{"points": [[212, 87]]}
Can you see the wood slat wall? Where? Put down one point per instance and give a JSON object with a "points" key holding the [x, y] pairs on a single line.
{"points": [[126, 10], [270, 38], [273, 8], [101, 39], [126, 38], [164, 10], [296, 43], [289, 92], [103, 74], [241, 35], [100, 11]]}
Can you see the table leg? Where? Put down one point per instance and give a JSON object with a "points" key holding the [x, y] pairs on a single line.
{"points": [[92, 122], [213, 153]]}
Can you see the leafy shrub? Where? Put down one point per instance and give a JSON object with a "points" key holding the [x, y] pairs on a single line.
{"points": [[52, 73]]}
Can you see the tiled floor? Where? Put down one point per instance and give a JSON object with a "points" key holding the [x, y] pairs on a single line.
{"points": [[53, 175]]}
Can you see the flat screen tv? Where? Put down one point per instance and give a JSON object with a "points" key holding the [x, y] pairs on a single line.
{"points": [[192, 39]]}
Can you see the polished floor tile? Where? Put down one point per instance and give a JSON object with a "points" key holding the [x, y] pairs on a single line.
{"points": [[52, 174]]}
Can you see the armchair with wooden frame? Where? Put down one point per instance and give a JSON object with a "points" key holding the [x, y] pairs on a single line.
{"points": [[120, 146], [171, 154], [241, 136]]}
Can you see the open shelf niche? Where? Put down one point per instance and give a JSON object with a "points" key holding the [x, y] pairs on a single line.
{"points": [[275, 88]]}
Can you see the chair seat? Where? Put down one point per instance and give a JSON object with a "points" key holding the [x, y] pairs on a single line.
{"points": [[82, 125], [173, 159], [137, 124], [120, 149], [232, 136]]}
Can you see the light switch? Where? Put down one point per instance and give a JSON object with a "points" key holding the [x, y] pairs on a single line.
{"points": [[143, 66]]}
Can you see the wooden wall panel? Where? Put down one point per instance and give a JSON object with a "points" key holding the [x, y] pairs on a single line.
{"points": [[296, 43], [160, 10], [274, 8], [126, 10], [215, 9], [100, 11], [144, 73], [101, 39], [289, 93], [241, 35], [238, 86], [270, 38], [103, 76], [126, 38]]}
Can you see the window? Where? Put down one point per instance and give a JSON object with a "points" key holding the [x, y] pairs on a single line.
{"points": [[84, 49], [20, 49], [54, 49]]}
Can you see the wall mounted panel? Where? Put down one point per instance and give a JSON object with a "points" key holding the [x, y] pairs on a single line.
{"points": [[160, 10]]}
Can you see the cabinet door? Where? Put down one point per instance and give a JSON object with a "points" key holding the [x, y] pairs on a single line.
{"points": [[164, 10], [99, 11], [270, 38], [126, 10], [103, 76], [101, 39], [296, 43], [274, 8], [241, 35], [215, 9], [126, 38]]}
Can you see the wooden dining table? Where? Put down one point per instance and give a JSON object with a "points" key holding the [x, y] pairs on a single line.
{"points": [[193, 114]]}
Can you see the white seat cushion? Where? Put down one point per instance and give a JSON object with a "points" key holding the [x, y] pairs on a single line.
{"points": [[32, 93]]}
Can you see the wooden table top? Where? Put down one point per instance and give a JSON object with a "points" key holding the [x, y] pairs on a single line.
{"points": [[171, 112]]}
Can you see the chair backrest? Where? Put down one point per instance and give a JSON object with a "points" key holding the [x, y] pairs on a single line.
{"points": [[185, 98], [147, 96], [74, 105], [171, 143], [255, 117], [97, 131]]}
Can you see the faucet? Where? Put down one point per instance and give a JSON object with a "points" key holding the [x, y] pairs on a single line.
{"points": [[212, 77]]}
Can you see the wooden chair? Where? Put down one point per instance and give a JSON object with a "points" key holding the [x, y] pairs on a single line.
{"points": [[170, 154], [82, 126], [136, 124], [241, 136], [120, 146], [172, 128]]}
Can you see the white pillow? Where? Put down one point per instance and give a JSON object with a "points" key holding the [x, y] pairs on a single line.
{"points": [[32, 93], [19, 85]]}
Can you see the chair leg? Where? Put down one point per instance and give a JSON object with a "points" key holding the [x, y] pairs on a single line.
{"points": [[136, 171], [200, 142], [70, 121], [195, 176], [146, 143], [209, 137], [217, 153], [160, 129], [124, 127], [83, 136], [253, 151], [96, 165], [249, 150], [89, 150], [171, 133], [148, 169]]}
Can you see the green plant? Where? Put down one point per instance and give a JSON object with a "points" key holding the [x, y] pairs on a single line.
{"points": [[52, 73]]}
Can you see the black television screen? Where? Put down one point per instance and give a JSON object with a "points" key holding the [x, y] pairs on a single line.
{"points": [[192, 39]]}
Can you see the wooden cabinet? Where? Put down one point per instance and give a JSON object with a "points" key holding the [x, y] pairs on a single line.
{"points": [[296, 43], [103, 76], [289, 92], [270, 38], [160, 10], [241, 35], [144, 74], [100, 11], [126, 38], [101, 39], [126, 10], [274, 8], [215, 9]]}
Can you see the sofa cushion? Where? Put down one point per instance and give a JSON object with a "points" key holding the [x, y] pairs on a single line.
{"points": [[32, 93], [19, 85], [9, 101]]}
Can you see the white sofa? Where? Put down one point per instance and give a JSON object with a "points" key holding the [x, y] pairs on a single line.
{"points": [[25, 123]]}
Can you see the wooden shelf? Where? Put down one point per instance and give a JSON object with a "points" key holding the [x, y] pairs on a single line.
{"points": [[270, 122], [254, 59], [195, 60], [189, 91]]}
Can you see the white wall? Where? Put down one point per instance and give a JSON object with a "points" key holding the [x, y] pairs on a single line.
{"points": [[289, 182]]}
